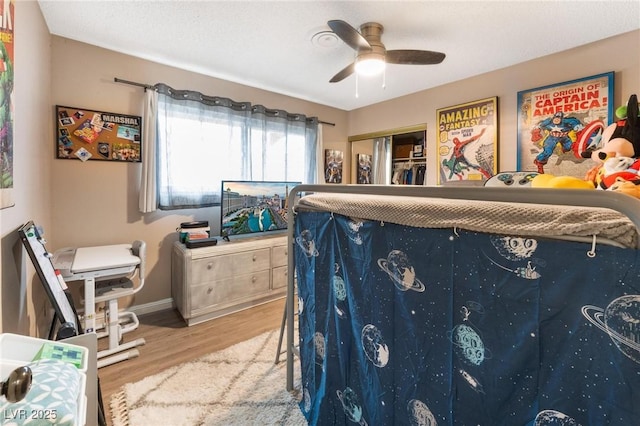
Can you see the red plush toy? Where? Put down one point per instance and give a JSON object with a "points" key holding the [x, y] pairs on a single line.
{"points": [[615, 169]]}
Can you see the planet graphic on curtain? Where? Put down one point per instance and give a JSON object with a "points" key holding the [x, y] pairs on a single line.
{"points": [[307, 243], [398, 267], [306, 397], [339, 288], [374, 346], [621, 321], [468, 344], [351, 405], [419, 414], [514, 248], [319, 343], [553, 418]]}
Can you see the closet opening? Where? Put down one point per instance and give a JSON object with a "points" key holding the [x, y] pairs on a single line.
{"points": [[391, 157]]}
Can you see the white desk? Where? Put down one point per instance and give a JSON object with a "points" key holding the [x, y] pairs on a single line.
{"points": [[97, 265], [93, 264]]}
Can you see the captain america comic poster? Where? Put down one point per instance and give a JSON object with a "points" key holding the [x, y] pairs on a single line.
{"points": [[468, 141], [560, 125]]}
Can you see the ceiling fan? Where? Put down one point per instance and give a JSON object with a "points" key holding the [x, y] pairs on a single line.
{"points": [[371, 53]]}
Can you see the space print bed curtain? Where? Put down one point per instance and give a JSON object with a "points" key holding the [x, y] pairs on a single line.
{"points": [[409, 326]]}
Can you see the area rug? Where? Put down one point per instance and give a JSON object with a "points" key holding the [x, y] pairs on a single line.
{"points": [[240, 385]]}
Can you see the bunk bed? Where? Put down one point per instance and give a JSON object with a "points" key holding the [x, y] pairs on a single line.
{"points": [[461, 306]]}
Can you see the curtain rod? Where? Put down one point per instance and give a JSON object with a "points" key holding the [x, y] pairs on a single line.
{"points": [[149, 86]]}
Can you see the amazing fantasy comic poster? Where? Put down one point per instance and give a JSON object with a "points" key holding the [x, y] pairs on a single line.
{"points": [[468, 141], [560, 125], [6, 102]]}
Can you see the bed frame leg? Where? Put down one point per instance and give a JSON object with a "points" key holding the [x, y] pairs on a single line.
{"points": [[282, 328]]}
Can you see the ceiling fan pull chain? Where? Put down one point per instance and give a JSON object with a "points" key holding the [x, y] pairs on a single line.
{"points": [[384, 78]]}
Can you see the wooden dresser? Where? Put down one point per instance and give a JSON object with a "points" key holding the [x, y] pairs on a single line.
{"points": [[210, 282]]}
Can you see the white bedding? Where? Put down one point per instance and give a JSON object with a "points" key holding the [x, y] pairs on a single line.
{"points": [[539, 220]]}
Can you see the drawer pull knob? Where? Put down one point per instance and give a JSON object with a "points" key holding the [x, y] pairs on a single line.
{"points": [[254, 257], [253, 279], [209, 290], [209, 265]]}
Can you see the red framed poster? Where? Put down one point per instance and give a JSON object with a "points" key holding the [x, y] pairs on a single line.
{"points": [[559, 123]]}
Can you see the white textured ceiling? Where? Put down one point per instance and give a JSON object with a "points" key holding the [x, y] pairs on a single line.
{"points": [[267, 44]]}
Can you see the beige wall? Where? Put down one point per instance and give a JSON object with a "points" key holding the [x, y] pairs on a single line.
{"points": [[22, 298], [96, 202], [620, 54]]}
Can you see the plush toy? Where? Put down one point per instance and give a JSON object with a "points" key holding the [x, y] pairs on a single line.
{"points": [[617, 155], [615, 169], [545, 180], [626, 187], [620, 139]]}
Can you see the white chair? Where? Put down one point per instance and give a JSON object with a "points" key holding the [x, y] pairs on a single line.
{"points": [[116, 323]]}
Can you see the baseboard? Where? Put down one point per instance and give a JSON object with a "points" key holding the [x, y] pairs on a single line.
{"points": [[148, 308]]}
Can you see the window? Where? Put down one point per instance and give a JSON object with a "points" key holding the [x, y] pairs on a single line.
{"points": [[204, 140]]}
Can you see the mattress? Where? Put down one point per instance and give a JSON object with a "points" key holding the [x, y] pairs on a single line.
{"points": [[496, 217]]}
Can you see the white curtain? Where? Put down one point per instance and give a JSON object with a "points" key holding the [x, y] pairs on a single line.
{"points": [[198, 147], [319, 157], [148, 199], [381, 161], [201, 140]]}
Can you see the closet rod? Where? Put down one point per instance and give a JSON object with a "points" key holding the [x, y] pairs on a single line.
{"points": [[149, 86]]}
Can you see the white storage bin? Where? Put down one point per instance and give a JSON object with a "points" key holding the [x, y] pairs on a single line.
{"points": [[14, 347], [6, 367], [17, 351]]}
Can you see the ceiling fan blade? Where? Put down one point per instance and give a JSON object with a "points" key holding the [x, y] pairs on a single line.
{"points": [[414, 57], [349, 35], [344, 73]]}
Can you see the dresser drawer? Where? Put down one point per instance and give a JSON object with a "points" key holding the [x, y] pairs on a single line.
{"points": [[229, 290], [280, 256], [279, 277], [228, 266]]}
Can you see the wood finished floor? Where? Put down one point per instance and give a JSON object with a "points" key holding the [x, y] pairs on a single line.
{"points": [[170, 342]]}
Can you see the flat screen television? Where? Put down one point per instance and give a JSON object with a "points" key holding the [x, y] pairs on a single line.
{"points": [[253, 207]]}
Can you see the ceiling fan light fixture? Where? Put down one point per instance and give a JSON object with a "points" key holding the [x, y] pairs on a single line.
{"points": [[369, 64], [371, 55]]}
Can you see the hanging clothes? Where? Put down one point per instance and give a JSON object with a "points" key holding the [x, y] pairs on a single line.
{"points": [[408, 173], [421, 171]]}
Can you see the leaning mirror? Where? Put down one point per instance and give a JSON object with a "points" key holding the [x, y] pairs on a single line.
{"points": [[389, 157]]}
